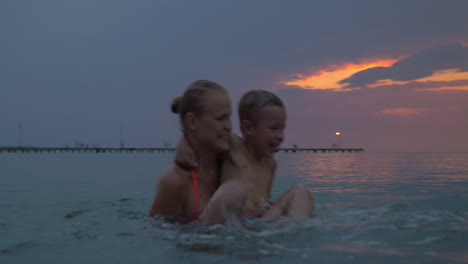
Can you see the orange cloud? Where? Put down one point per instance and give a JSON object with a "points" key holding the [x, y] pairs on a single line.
{"points": [[441, 76], [404, 112], [328, 79], [445, 88]]}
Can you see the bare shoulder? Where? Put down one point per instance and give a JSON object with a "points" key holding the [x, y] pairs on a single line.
{"points": [[236, 140], [234, 161], [174, 177], [238, 149], [238, 143], [271, 163], [170, 192]]}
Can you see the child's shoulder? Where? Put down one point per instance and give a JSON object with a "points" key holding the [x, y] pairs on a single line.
{"points": [[271, 163], [236, 141], [237, 145]]}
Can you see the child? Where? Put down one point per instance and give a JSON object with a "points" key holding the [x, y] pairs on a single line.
{"points": [[251, 164]]}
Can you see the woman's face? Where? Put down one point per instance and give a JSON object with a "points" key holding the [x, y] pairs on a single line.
{"points": [[214, 124]]}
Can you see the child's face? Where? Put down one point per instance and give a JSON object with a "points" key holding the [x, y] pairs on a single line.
{"points": [[268, 132]]}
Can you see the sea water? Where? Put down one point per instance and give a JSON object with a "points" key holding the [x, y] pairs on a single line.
{"points": [[370, 208]]}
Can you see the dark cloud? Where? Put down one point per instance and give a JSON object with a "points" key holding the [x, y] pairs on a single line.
{"points": [[77, 70], [423, 64]]}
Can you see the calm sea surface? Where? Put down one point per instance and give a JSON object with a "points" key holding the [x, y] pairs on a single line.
{"points": [[371, 208]]}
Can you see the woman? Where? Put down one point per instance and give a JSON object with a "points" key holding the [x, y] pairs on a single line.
{"points": [[205, 115]]}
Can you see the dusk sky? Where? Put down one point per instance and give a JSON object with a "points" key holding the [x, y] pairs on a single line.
{"points": [[389, 75]]}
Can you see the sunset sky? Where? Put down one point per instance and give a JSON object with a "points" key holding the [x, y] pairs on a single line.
{"points": [[389, 76]]}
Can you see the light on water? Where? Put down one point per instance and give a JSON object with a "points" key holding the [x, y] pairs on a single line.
{"points": [[371, 208]]}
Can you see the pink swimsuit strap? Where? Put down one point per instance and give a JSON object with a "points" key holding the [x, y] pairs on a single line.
{"points": [[196, 197]]}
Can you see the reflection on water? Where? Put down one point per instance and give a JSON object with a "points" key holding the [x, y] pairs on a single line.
{"points": [[382, 176], [372, 167], [371, 208]]}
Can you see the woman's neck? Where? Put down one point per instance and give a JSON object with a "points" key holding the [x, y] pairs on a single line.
{"points": [[208, 167], [206, 157]]}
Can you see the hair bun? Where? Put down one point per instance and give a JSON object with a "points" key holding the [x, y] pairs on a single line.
{"points": [[175, 106]]}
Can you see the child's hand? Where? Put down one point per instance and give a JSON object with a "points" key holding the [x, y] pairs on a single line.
{"points": [[264, 204], [185, 157], [259, 208]]}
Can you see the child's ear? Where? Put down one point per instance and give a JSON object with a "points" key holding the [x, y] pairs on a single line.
{"points": [[190, 121], [246, 127]]}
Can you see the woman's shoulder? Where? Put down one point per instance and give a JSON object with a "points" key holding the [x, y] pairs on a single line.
{"points": [[175, 177]]}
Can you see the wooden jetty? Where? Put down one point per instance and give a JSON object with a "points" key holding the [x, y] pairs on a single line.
{"points": [[321, 150], [148, 150]]}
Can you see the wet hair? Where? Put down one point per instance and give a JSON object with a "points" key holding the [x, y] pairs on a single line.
{"points": [[192, 99], [255, 100]]}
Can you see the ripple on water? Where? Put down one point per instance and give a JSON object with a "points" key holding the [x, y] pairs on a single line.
{"points": [[6, 206], [89, 206], [76, 213], [18, 247], [425, 241], [81, 234], [131, 214]]}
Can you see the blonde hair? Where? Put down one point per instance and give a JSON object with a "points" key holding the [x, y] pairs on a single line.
{"points": [[192, 99], [255, 100]]}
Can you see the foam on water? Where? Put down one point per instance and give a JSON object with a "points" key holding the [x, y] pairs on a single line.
{"points": [[256, 239]]}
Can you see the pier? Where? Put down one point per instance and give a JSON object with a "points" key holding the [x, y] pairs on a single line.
{"points": [[323, 150], [148, 150]]}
